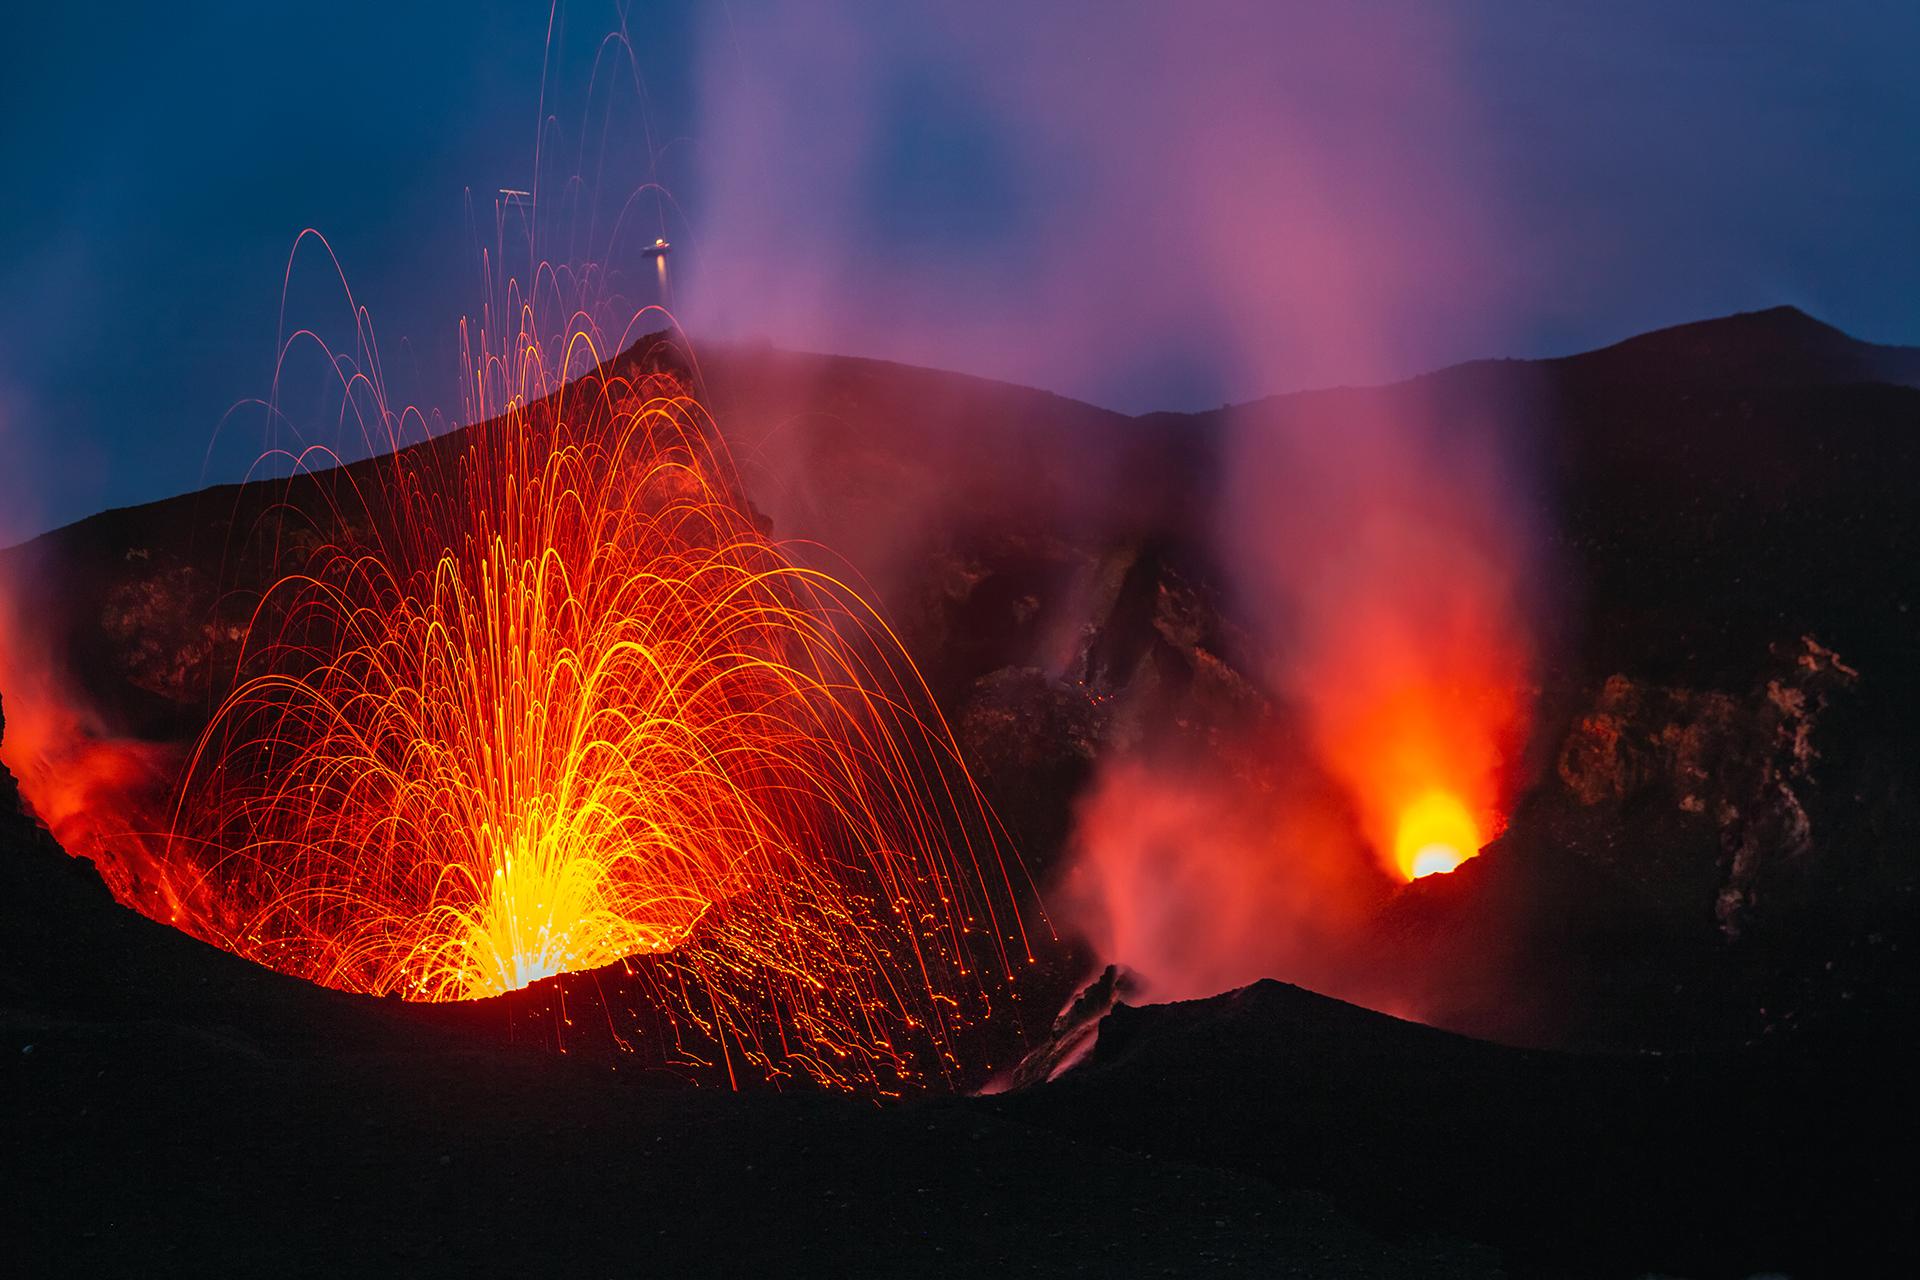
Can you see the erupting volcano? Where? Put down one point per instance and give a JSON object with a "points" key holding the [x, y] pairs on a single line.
{"points": [[958, 641], [549, 699], [541, 696]]}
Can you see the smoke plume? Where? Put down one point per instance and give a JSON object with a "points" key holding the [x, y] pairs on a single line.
{"points": [[1233, 203]]}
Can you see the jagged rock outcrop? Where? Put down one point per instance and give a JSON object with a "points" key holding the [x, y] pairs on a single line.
{"points": [[160, 619], [1071, 1038], [21, 834], [1745, 764]]}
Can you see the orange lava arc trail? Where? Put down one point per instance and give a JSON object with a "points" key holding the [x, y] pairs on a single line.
{"points": [[543, 695]]}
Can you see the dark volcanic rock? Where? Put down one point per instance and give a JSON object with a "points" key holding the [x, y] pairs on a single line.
{"points": [[1746, 767], [1075, 1030], [1778, 347], [161, 621], [1699, 868], [1685, 1164]]}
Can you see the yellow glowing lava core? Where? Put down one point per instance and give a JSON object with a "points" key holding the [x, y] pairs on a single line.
{"points": [[1436, 834]]}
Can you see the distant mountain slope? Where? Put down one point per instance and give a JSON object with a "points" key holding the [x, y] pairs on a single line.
{"points": [[1705, 489], [1778, 347]]}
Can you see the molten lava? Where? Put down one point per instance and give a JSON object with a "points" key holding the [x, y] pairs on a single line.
{"points": [[556, 706], [1437, 833], [542, 696]]}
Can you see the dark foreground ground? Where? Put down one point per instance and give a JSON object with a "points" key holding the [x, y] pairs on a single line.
{"points": [[171, 1109]]}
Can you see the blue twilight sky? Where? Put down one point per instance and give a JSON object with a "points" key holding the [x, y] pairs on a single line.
{"points": [[1143, 204]]}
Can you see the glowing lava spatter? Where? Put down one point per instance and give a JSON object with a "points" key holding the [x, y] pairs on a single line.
{"points": [[541, 695]]}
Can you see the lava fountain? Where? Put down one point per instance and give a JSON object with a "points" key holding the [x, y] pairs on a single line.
{"points": [[550, 700], [542, 695]]}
